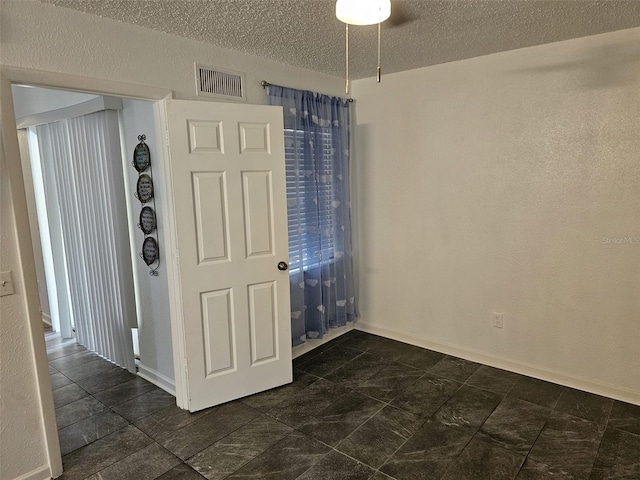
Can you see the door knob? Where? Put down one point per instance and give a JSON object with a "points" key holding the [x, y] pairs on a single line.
{"points": [[283, 266]]}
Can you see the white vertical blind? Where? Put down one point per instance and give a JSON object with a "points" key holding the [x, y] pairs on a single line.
{"points": [[83, 157]]}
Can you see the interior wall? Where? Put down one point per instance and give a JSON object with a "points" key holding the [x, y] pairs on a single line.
{"points": [[508, 183], [38, 36], [31, 101], [152, 293]]}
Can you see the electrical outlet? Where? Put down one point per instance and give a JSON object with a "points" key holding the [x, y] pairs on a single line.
{"points": [[498, 320]]}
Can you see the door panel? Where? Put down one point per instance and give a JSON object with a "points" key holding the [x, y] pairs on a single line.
{"points": [[228, 181]]}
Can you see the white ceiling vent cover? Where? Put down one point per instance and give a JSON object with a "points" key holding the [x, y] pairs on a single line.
{"points": [[219, 83]]}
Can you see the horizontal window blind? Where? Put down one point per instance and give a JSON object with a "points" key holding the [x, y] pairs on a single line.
{"points": [[309, 198]]}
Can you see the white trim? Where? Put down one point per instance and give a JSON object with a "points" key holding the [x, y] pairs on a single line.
{"points": [[158, 379], [42, 473], [85, 108], [332, 334], [46, 318], [179, 341], [554, 376]]}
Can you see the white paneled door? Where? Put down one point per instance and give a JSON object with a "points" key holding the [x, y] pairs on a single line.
{"points": [[228, 181]]}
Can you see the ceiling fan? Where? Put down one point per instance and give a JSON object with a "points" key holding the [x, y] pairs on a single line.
{"points": [[368, 12]]}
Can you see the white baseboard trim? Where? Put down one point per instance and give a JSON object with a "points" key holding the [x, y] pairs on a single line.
{"points": [[530, 370], [41, 473], [310, 344], [46, 318], [158, 379]]}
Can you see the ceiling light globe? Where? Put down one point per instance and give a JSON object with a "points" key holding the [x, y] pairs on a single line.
{"points": [[363, 12]]}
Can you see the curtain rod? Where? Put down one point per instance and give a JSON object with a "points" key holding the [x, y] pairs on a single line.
{"points": [[266, 84]]}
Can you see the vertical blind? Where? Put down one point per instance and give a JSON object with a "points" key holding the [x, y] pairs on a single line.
{"points": [[81, 160]]}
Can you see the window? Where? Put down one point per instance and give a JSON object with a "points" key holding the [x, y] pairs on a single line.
{"points": [[309, 201]]}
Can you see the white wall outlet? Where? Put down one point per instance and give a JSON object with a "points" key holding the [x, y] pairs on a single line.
{"points": [[497, 320], [6, 284]]}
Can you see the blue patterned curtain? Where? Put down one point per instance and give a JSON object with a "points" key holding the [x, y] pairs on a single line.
{"points": [[320, 253]]}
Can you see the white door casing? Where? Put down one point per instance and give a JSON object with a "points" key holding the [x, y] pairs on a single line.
{"points": [[228, 188]]}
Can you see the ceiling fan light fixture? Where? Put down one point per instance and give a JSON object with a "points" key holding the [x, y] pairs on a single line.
{"points": [[363, 12]]}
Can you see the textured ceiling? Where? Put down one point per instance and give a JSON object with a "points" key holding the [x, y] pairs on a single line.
{"points": [[305, 33]]}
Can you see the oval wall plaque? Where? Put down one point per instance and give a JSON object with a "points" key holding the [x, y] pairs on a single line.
{"points": [[150, 250], [144, 188], [141, 157], [147, 220]]}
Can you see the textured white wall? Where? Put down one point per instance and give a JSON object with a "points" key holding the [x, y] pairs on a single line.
{"points": [[154, 322], [488, 185], [43, 37]]}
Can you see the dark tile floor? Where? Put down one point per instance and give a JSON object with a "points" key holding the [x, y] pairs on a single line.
{"points": [[361, 407]]}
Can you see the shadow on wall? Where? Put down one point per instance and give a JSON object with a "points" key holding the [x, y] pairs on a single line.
{"points": [[606, 66]]}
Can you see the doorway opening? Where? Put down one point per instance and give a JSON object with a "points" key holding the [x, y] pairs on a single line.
{"points": [[79, 377]]}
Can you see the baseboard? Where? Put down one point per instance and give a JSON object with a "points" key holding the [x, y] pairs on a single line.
{"points": [[41, 473], [158, 379], [46, 319], [310, 344], [530, 370]]}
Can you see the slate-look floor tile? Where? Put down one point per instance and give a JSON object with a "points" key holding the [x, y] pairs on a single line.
{"points": [[493, 379], [337, 466], [263, 401], [377, 439], [454, 368], [426, 395], [568, 443], [420, 357], [468, 408], [480, 460], [125, 391], [99, 382], [428, 453], [358, 370], [536, 391], [304, 405], [90, 369], [625, 417], [286, 460], [618, 457], [515, 425], [89, 430], [329, 360], [145, 404], [68, 394], [584, 405], [448, 418], [78, 410], [146, 464], [208, 429], [104, 452], [169, 419], [59, 380], [341, 417], [230, 453], [534, 470], [390, 381], [181, 472]]}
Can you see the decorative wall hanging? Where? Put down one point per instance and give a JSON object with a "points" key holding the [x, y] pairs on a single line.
{"points": [[144, 193]]}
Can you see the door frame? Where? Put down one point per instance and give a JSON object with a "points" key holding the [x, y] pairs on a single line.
{"points": [[11, 75]]}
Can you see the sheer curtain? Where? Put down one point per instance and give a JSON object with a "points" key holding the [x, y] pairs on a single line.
{"points": [[320, 252]]}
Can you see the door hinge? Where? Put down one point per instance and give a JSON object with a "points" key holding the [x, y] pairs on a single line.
{"points": [[166, 137]]}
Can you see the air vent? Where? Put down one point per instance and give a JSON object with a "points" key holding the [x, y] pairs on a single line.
{"points": [[218, 83]]}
